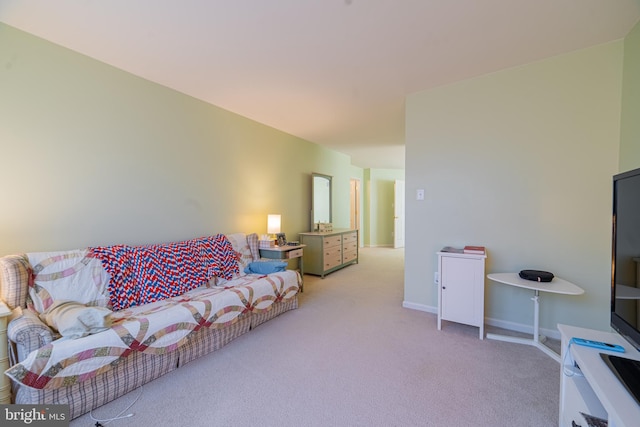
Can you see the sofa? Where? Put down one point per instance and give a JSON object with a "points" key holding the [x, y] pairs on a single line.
{"points": [[92, 324]]}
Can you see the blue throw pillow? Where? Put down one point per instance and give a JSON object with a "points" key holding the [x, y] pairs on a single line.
{"points": [[265, 267]]}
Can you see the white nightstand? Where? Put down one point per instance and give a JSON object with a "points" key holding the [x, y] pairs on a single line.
{"points": [[461, 289]]}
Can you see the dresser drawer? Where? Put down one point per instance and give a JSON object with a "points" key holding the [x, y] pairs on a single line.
{"points": [[330, 241], [296, 253], [349, 256], [333, 251], [350, 246], [332, 260], [350, 237]]}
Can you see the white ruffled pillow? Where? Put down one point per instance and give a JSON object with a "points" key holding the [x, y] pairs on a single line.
{"points": [[74, 320]]}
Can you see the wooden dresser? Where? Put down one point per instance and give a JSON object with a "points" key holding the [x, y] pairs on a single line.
{"points": [[326, 252]]}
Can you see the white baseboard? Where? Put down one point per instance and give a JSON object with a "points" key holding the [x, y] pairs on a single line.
{"points": [[519, 327], [420, 307], [511, 326]]}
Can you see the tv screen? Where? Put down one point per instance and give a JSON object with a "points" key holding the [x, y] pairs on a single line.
{"points": [[625, 259]]}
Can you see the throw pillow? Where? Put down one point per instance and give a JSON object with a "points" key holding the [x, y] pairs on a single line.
{"points": [[265, 267], [74, 320]]}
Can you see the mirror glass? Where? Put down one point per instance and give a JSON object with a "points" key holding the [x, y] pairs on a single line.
{"points": [[321, 199]]}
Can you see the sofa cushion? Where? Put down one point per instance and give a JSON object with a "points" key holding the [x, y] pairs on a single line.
{"points": [[67, 276]]}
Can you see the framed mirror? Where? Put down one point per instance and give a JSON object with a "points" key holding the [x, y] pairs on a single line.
{"points": [[320, 199]]}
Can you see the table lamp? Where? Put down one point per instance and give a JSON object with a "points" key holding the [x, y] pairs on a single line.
{"points": [[273, 224]]}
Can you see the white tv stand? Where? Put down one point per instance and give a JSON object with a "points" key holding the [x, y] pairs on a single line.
{"points": [[593, 388]]}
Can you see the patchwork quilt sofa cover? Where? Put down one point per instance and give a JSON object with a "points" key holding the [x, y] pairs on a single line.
{"points": [[84, 318]]}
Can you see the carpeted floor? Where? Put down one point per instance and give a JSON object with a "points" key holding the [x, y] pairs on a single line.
{"points": [[351, 355]]}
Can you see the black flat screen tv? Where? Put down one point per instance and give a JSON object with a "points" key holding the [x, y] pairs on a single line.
{"points": [[625, 256]]}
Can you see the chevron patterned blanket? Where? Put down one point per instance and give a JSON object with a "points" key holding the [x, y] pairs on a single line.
{"points": [[145, 274]]}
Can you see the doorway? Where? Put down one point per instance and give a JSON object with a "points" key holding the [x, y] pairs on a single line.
{"points": [[398, 214], [355, 204]]}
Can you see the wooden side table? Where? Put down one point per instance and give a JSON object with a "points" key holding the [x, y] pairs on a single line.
{"points": [[5, 383], [286, 252]]}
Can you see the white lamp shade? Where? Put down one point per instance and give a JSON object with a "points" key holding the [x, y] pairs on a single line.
{"points": [[273, 223]]}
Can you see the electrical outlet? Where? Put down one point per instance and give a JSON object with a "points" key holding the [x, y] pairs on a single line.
{"points": [[436, 278]]}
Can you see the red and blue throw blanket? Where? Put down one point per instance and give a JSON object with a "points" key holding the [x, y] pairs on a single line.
{"points": [[144, 274]]}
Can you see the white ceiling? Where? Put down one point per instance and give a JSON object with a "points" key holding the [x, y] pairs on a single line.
{"points": [[334, 72]]}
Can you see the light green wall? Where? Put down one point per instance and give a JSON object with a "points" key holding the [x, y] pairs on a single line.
{"points": [[380, 205], [520, 161], [630, 121], [94, 155]]}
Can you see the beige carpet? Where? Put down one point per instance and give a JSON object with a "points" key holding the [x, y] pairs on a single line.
{"points": [[351, 355]]}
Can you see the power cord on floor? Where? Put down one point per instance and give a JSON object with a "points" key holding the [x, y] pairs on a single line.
{"points": [[117, 417], [575, 370]]}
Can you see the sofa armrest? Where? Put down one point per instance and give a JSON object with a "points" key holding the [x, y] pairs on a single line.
{"points": [[29, 333]]}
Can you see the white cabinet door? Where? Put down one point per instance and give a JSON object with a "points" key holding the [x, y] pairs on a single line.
{"points": [[460, 290]]}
